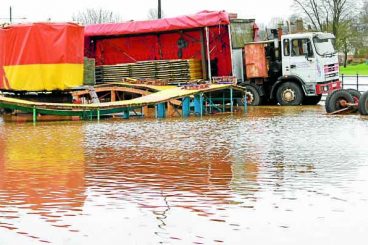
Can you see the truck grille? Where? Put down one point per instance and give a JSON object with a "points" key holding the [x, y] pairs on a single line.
{"points": [[331, 68], [335, 74]]}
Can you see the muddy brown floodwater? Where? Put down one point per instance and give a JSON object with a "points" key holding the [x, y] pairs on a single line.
{"points": [[275, 176]]}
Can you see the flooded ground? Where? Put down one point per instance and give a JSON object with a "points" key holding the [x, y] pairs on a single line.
{"points": [[276, 176]]}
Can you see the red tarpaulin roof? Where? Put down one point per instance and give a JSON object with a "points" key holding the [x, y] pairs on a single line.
{"points": [[202, 19]]}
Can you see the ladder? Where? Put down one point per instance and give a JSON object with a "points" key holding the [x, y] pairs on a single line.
{"points": [[93, 94]]}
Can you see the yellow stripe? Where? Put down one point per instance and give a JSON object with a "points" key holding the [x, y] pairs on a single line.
{"points": [[44, 76]]}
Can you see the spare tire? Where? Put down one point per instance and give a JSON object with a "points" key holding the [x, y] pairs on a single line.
{"points": [[363, 104], [336, 99]]}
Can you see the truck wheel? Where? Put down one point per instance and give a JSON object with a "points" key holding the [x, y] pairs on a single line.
{"points": [[289, 93], [355, 93], [363, 104], [253, 96], [337, 100], [312, 100], [356, 96]]}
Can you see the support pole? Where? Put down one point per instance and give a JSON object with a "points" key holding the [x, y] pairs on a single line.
{"points": [[208, 53], [159, 11], [160, 110], [186, 107], [10, 15], [203, 55], [126, 113], [98, 114], [223, 102], [34, 117], [231, 49], [198, 104], [231, 100], [210, 102]]}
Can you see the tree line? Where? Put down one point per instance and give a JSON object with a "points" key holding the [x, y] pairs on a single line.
{"points": [[346, 19]]}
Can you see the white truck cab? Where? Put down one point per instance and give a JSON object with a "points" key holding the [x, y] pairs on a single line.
{"points": [[312, 58], [291, 69]]}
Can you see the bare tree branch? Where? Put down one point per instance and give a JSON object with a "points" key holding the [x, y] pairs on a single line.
{"points": [[96, 16]]}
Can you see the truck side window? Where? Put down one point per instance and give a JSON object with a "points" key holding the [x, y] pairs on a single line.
{"points": [[286, 47], [301, 47]]}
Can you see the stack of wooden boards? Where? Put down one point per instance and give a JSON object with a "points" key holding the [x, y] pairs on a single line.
{"points": [[174, 71]]}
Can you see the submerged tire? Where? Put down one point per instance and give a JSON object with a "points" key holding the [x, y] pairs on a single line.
{"points": [[253, 96], [289, 94], [333, 100], [363, 104], [312, 100]]}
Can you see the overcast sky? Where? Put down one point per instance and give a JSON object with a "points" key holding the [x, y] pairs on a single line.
{"points": [[63, 10]]}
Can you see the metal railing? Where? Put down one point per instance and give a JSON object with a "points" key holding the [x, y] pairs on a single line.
{"points": [[358, 82]]}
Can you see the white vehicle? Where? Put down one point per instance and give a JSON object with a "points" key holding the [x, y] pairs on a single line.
{"points": [[292, 69]]}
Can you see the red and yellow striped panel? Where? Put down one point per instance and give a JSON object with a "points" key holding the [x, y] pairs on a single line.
{"points": [[41, 56]]}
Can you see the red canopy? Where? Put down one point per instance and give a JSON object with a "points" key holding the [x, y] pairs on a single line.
{"points": [[202, 19]]}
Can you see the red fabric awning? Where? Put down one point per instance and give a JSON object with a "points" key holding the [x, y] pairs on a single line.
{"points": [[202, 19], [42, 43]]}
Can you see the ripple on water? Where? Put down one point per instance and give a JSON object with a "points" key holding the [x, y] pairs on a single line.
{"points": [[211, 180]]}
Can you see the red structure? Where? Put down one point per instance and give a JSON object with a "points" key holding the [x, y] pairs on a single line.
{"points": [[41, 56], [204, 36]]}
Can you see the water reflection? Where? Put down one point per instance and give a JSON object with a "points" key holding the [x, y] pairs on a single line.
{"points": [[287, 171], [41, 175]]}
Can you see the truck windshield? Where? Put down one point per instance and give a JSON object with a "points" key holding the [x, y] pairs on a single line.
{"points": [[324, 46]]}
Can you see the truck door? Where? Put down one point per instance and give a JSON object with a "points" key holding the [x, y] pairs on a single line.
{"points": [[299, 59]]}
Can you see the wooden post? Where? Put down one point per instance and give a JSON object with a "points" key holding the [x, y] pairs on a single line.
{"points": [[113, 96], [170, 109]]}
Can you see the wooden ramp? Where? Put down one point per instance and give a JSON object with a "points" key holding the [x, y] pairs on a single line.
{"points": [[163, 95]]}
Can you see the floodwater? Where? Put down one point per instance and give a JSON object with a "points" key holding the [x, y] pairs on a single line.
{"points": [[276, 176]]}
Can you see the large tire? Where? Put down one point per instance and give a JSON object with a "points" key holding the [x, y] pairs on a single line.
{"points": [[333, 100], [356, 96], [255, 98], [312, 100], [363, 104], [289, 94], [355, 93]]}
